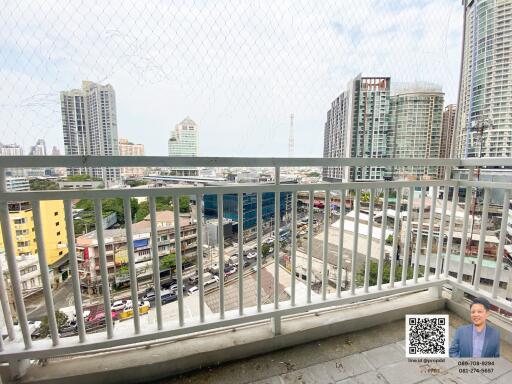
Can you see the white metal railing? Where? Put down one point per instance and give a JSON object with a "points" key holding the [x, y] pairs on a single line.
{"points": [[14, 349]]}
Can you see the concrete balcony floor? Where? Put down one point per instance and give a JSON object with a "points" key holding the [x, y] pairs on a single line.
{"points": [[372, 355]]}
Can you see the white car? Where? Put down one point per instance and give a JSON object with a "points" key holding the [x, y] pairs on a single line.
{"points": [[193, 290], [121, 305], [252, 255]]}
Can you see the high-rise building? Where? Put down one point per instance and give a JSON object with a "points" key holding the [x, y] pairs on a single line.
{"points": [[448, 125], [357, 127], [55, 151], [484, 125], [127, 148], [183, 141], [416, 117], [89, 123], [39, 149]]}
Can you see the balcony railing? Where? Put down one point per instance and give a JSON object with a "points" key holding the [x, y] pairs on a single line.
{"points": [[445, 267]]}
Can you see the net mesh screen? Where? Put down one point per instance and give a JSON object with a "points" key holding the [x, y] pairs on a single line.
{"points": [[238, 68]]}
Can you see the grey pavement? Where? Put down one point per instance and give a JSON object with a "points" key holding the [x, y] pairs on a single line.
{"points": [[373, 355]]}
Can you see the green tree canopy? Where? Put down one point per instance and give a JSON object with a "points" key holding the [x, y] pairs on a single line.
{"points": [[61, 318]]}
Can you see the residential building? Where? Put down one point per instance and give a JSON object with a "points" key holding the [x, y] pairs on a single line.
{"points": [[357, 127], [117, 250], [416, 117], [126, 148], [12, 150], [183, 141], [23, 231], [55, 151], [448, 126], [89, 124], [30, 274], [17, 184], [484, 128]]}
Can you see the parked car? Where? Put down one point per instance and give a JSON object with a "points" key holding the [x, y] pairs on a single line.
{"points": [[120, 305], [213, 280], [193, 290], [229, 271], [168, 297], [252, 255], [150, 296]]}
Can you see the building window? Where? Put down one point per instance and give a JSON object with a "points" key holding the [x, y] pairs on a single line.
{"points": [[60, 253], [58, 233], [20, 221], [57, 224], [56, 213]]}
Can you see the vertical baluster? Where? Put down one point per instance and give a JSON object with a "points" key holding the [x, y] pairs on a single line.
{"points": [[277, 226], [14, 273], [325, 254], [294, 246], [131, 264], [501, 247], [370, 240], [340, 243], [467, 203], [240, 253], [73, 265], [259, 256], [354, 245], [155, 259], [405, 265], [453, 214], [383, 238], [396, 236], [419, 235], [103, 267], [440, 240], [481, 243], [430, 233], [45, 276], [220, 218], [200, 268], [310, 245], [179, 267]]}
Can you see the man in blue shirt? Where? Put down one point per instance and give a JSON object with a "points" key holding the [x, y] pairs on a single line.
{"points": [[478, 339]]}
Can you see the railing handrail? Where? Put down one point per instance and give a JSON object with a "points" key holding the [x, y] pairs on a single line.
{"points": [[166, 161]]}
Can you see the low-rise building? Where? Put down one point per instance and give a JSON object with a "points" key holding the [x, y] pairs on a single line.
{"points": [[116, 249]]}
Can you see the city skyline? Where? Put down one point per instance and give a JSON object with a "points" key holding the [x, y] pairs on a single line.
{"points": [[300, 68]]}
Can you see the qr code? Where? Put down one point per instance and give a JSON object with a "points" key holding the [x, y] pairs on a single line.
{"points": [[426, 335]]}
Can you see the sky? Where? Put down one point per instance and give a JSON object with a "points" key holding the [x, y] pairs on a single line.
{"points": [[237, 68]]}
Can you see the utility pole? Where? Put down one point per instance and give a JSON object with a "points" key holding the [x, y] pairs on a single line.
{"points": [[479, 125]]}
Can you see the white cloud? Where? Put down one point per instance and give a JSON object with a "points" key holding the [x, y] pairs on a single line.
{"points": [[237, 68]]}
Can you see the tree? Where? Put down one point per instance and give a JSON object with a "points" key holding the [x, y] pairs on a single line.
{"points": [[142, 211], [386, 270], [136, 183], [184, 204], [168, 261], [61, 318], [265, 249], [313, 174], [163, 203], [42, 185], [389, 239]]}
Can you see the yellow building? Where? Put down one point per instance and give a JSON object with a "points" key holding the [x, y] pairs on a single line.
{"points": [[24, 236]]}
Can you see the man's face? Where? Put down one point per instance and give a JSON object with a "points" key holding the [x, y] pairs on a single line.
{"points": [[478, 314]]}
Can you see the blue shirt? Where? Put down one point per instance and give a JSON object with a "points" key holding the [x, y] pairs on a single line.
{"points": [[478, 342]]}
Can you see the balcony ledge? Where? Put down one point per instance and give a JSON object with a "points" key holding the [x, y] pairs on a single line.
{"points": [[163, 359]]}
